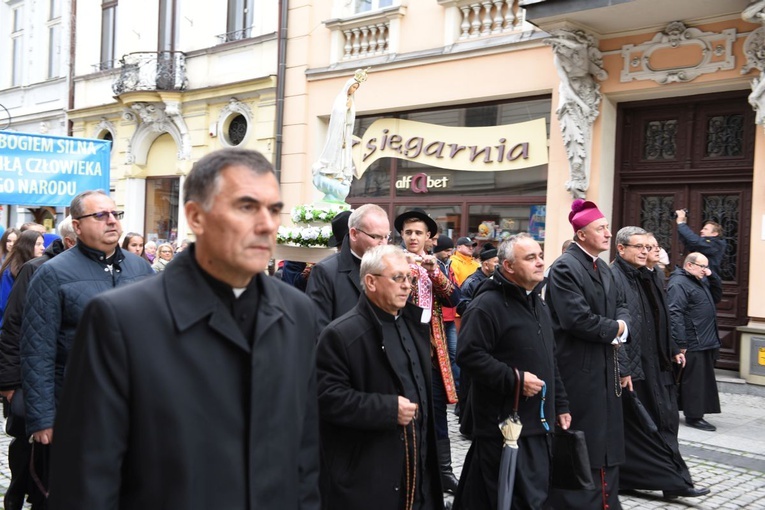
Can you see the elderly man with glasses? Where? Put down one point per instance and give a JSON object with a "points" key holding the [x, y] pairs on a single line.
{"points": [[693, 292], [653, 460], [56, 298], [378, 440], [334, 283]]}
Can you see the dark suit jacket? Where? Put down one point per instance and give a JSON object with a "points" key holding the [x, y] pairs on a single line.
{"points": [[166, 404], [362, 443], [585, 305], [335, 285]]}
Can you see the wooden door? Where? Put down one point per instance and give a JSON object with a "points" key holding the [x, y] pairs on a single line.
{"points": [[694, 153]]}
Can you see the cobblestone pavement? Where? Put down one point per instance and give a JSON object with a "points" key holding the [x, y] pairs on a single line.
{"points": [[731, 461]]}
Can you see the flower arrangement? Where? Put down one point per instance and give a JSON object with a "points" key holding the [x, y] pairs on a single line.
{"points": [[304, 236], [311, 214]]}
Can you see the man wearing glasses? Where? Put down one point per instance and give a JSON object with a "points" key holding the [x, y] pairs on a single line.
{"points": [[692, 293], [334, 283], [375, 396], [56, 297], [653, 460]]}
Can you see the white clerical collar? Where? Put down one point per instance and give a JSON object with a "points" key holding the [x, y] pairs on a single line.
{"points": [[593, 257]]}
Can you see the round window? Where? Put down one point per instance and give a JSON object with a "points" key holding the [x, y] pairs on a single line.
{"points": [[237, 129]]}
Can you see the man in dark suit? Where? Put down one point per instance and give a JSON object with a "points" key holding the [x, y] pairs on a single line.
{"points": [[377, 428], [196, 389], [590, 321], [334, 283]]}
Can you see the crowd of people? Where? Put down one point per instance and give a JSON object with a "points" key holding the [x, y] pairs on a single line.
{"points": [[189, 378]]}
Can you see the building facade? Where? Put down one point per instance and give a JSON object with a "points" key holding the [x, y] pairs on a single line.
{"points": [[169, 81], [34, 82], [648, 107]]}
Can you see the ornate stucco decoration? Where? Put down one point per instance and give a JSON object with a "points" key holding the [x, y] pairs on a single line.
{"points": [[103, 125], [679, 54], [754, 49], [233, 107], [155, 119], [579, 63]]}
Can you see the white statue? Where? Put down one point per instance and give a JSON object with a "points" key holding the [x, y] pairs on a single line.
{"points": [[334, 170]]}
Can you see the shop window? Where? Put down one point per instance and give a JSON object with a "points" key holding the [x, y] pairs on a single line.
{"points": [[162, 195], [496, 222], [448, 218]]}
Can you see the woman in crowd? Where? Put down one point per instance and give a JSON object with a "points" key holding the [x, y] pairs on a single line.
{"points": [[164, 255], [150, 251], [30, 245], [133, 243], [6, 242]]}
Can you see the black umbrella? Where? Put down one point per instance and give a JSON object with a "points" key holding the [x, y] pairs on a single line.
{"points": [[511, 431]]}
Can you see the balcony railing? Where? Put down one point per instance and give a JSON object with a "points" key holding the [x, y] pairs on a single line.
{"points": [[162, 70], [235, 35]]}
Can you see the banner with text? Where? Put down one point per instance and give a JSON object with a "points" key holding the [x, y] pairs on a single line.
{"points": [[479, 149], [44, 170]]}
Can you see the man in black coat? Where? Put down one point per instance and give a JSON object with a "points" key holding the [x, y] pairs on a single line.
{"points": [[378, 439], [19, 451], [653, 459], [590, 321], [196, 389], [508, 327], [334, 283], [708, 242], [691, 293]]}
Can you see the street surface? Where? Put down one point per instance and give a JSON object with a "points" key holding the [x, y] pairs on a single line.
{"points": [[730, 461]]}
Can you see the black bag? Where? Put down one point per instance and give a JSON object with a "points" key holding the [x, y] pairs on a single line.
{"points": [[571, 461], [16, 423]]}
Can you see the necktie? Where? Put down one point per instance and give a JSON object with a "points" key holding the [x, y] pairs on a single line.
{"points": [[595, 264]]}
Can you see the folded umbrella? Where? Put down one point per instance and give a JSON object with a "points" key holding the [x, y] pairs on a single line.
{"points": [[511, 430]]}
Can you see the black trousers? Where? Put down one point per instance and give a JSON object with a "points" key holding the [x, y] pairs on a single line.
{"points": [[698, 386]]}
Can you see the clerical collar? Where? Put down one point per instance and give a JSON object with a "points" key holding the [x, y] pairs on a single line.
{"points": [[593, 257], [356, 256], [383, 315], [222, 289]]}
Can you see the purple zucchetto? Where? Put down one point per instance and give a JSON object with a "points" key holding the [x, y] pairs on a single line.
{"points": [[583, 213]]}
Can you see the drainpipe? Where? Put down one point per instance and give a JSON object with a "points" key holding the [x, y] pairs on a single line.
{"points": [[70, 78], [281, 72]]}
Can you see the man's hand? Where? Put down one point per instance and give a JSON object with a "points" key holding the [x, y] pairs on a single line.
{"points": [[680, 359], [564, 420], [622, 325], [406, 411], [44, 436], [531, 384], [626, 382], [8, 394], [428, 263], [680, 216]]}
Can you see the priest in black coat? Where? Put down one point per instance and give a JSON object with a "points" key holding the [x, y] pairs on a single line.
{"points": [[590, 320]]}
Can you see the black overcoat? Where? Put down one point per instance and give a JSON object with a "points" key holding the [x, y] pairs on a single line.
{"points": [[362, 445], [167, 405], [335, 284], [585, 305]]}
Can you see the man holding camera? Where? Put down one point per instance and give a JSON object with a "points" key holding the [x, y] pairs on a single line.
{"points": [[710, 243]]}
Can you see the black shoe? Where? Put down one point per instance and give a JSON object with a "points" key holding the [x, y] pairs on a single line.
{"points": [[690, 492], [700, 423]]}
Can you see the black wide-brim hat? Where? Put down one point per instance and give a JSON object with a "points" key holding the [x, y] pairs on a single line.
{"points": [[339, 229], [420, 215]]}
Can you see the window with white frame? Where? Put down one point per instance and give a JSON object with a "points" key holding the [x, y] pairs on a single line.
{"points": [[108, 33], [360, 6], [54, 39], [17, 44], [239, 20]]}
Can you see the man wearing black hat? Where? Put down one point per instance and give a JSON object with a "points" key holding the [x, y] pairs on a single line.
{"points": [[489, 261], [334, 283], [463, 263], [431, 291]]}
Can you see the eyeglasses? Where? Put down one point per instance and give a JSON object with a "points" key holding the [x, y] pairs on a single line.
{"points": [[401, 278], [376, 237], [102, 215], [640, 247], [699, 265]]}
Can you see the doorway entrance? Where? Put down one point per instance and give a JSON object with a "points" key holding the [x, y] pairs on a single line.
{"points": [[695, 153]]}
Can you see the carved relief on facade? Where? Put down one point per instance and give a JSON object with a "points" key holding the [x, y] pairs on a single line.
{"points": [[679, 54], [578, 62], [754, 50], [157, 118]]}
